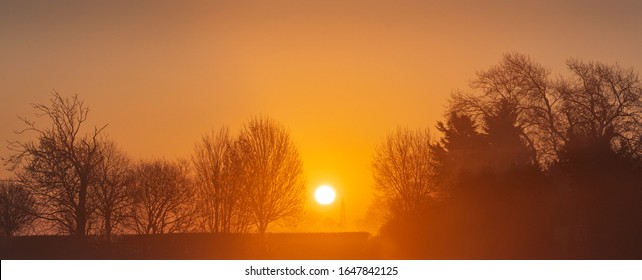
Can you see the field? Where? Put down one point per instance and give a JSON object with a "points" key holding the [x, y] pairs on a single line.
{"points": [[194, 246]]}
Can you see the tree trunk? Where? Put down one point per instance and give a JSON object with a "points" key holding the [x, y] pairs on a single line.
{"points": [[262, 227], [81, 212], [108, 225]]}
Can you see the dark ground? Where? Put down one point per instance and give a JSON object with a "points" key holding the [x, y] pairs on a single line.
{"points": [[193, 246], [301, 246]]}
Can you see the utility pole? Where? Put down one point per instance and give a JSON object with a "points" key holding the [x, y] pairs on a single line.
{"points": [[342, 218]]}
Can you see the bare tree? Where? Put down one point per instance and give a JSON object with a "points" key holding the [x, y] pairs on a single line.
{"points": [[162, 198], [525, 86], [603, 103], [271, 172], [16, 208], [59, 166], [111, 192], [219, 192], [403, 173], [597, 101]]}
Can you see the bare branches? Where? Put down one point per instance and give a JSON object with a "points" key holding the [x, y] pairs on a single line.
{"points": [[270, 171], [254, 179], [597, 101], [16, 208], [604, 102], [162, 198], [83, 183], [217, 180], [403, 173], [112, 183], [58, 167]]}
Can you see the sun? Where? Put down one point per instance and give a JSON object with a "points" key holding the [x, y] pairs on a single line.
{"points": [[325, 195]]}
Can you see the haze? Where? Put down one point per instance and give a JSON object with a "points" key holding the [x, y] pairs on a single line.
{"points": [[338, 74]]}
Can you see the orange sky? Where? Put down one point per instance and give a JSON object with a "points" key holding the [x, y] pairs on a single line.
{"points": [[339, 74]]}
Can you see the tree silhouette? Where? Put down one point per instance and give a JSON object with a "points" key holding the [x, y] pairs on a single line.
{"points": [[217, 178], [462, 146], [16, 208], [599, 162], [602, 105], [111, 194], [58, 168], [506, 142], [162, 198], [530, 167], [271, 172], [597, 100], [499, 197], [403, 174]]}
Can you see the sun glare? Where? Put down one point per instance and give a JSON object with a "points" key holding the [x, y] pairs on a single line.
{"points": [[324, 195]]}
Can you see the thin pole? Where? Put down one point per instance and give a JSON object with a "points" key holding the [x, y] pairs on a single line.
{"points": [[342, 219]]}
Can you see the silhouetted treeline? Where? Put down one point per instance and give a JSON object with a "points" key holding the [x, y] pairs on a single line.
{"points": [[73, 180], [527, 167]]}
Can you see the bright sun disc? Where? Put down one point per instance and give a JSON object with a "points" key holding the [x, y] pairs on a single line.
{"points": [[324, 195]]}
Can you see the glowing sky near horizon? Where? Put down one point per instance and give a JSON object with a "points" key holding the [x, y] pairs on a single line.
{"points": [[338, 74]]}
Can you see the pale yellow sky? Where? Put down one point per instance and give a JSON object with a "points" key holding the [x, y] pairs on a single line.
{"points": [[338, 74]]}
